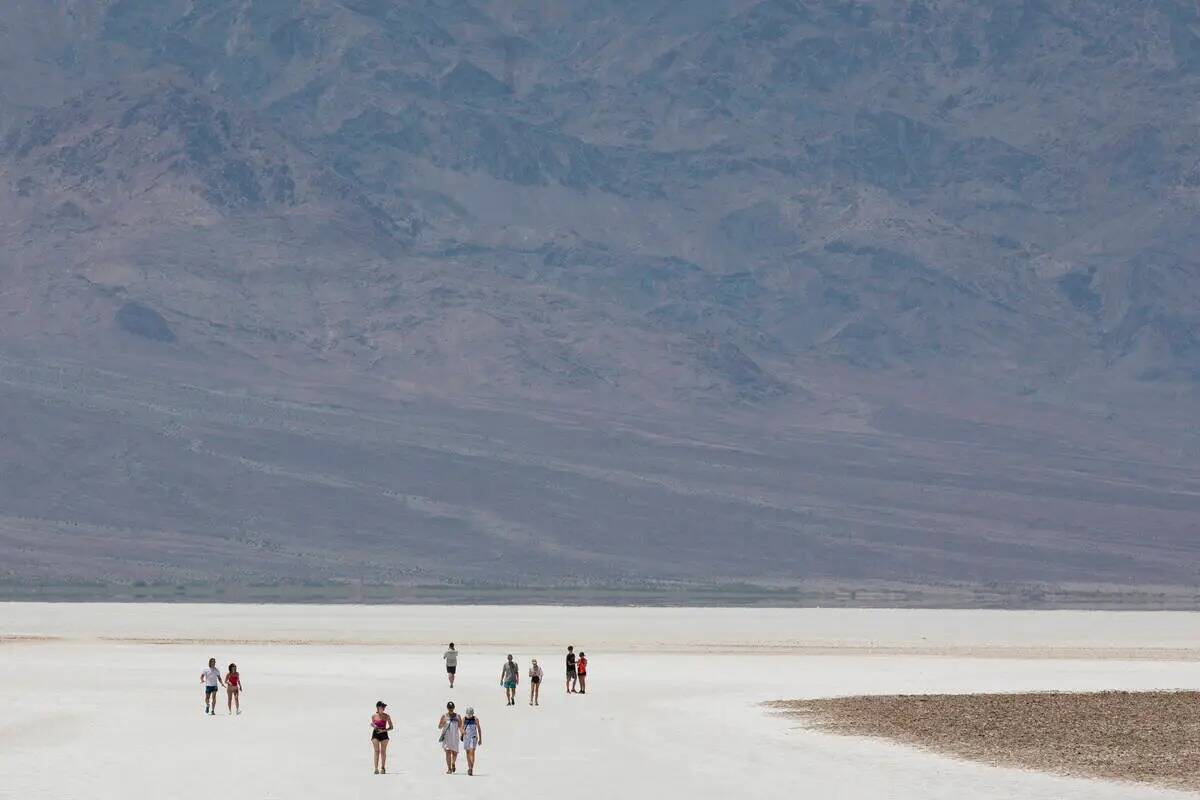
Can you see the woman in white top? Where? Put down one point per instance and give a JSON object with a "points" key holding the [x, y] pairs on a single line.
{"points": [[451, 725], [535, 683], [451, 657]]}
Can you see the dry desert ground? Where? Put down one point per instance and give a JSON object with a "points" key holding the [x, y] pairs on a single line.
{"points": [[104, 701]]}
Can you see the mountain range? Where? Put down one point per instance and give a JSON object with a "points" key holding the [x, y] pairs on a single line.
{"points": [[527, 293]]}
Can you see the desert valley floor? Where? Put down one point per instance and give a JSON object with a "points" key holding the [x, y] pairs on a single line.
{"points": [[104, 701]]}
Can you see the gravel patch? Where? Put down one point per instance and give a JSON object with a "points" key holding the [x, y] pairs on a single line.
{"points": [[1149, 737]]}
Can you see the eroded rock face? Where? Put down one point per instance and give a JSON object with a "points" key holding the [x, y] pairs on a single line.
{"points": [[888, 169], [866, 183]]}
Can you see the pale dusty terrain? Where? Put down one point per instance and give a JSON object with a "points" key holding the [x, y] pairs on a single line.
{"points": [[104, 701]]}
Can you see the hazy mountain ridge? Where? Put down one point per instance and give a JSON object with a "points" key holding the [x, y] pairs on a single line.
{"points": [[402, 103], [758, 218]]}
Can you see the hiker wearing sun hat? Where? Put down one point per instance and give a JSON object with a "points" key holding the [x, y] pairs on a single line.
{"points": [[472, 737]]}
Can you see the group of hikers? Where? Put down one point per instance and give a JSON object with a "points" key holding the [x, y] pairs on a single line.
{"points": [[457, 732], [465, 731], [510, 674]]}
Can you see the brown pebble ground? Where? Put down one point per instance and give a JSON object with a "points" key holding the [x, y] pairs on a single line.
{"points": [[1150, 737]]}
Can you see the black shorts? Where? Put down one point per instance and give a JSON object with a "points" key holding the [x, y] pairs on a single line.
{"points": [[451, 670], [211, 689], [570, 673], [535, 680], [379, 736]]}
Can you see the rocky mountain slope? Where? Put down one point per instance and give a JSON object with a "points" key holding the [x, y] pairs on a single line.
{"points": [[903, 289]]}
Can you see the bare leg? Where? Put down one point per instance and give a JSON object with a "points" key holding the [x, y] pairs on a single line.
{"points": [[383, 756], [237, 701], [375, 757], [449, 763], [582, 683], [471, 761], [229, 701]]}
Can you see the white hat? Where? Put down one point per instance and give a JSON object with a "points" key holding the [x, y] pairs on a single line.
{"points": [[470, 711]]}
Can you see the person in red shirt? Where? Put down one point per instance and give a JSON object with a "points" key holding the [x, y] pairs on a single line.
{"points": [[581, 667], [233, 689]]}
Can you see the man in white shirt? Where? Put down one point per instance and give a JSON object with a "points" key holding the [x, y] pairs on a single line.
{"points": [[451, 657], [211, 678]]}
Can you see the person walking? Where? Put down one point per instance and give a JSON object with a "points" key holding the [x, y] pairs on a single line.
{"points": [[211, 678], [510, 674], [233, 689], [451, 657], [572, 676], [582, 667], [452, 729], [535, 682], [472, 737], [381, 723]]}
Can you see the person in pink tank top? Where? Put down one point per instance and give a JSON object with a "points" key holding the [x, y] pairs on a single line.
{"points": [[381, 723]]}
